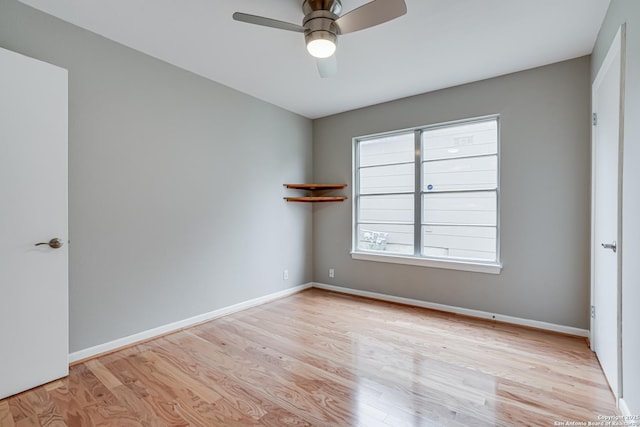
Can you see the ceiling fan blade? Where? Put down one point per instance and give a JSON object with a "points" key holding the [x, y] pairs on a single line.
{"points": [[371, 14], [267, 22], [327, 67]]}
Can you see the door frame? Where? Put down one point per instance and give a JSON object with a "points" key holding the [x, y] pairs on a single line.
{"points": [[617, 45]]}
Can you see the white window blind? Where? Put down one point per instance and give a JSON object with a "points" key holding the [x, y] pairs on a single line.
{"points": [[429, 192]]}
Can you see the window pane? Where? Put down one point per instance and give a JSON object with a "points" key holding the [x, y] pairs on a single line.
{"points": [[393, 208], [460, 140], [457, 214], [461, 174], [390, 238], [478, 243], [387, 179], [474, 208], [387, 150]]}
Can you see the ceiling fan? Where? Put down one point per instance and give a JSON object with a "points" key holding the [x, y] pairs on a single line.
{"points": [[322, 24]]}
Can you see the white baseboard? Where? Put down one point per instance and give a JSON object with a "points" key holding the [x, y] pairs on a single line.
{"points": [[182, 324], [459, 310], [624, 409]]}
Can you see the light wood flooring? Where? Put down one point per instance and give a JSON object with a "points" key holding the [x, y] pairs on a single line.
{"points": [[324, 359]]}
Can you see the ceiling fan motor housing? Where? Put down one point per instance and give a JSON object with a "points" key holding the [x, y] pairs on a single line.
{"points": [[333, 6], [319, 19]]}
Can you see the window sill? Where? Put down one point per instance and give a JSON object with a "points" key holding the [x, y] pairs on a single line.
{"points": [[490, 268]]}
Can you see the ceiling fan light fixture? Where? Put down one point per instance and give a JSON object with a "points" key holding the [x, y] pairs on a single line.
{"points": [[322, 23], [321, 44]]}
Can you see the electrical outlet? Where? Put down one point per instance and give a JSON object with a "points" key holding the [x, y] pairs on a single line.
{"points": [[285, 275], [332, 273]]}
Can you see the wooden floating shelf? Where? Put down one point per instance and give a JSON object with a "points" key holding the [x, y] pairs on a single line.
{"points": [[315, 187], [315, 199]]}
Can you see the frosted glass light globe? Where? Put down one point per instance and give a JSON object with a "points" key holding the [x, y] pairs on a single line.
{"points": [[321, 48]]}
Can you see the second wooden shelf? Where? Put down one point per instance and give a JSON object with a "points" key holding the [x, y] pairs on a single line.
{"points": [[316, 199], [313, 188]]}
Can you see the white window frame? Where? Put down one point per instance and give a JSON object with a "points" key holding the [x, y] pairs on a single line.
{"points": [[492, 267]]}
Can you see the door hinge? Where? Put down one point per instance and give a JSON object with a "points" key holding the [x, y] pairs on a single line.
{"points": [[594, 119], [593, 311]]}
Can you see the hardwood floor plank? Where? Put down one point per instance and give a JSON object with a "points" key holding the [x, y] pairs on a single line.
{"points": [[142, 412], [245, 370], [31, 421], [308, 389], [145, 380], [251, 402], [85, 400], [103, 374], [6, 417], [369, 367], [45, 408], [319, 358], [369, 383]]}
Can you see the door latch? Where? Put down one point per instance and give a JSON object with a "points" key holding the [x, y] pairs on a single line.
{"points": [[613, 246]]}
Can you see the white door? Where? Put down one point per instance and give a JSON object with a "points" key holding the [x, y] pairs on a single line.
{"points": [[34, 332], [606, 97]]}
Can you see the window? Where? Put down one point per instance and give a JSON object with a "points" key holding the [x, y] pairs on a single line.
{"points": [[429, 196]]}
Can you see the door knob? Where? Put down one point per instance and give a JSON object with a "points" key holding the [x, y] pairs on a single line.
{"points": [[611, 246], [54, 243]]}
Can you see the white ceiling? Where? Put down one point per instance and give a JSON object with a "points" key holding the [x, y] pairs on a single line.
{"points": [[437, 44]]}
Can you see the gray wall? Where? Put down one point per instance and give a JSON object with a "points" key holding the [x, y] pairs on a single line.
{"points": [[175, 185], [545, 191], [621, 11]]}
